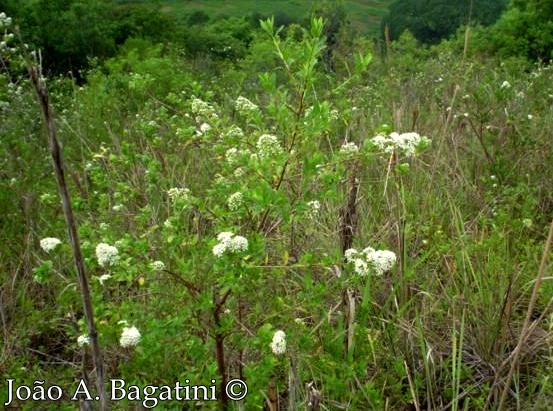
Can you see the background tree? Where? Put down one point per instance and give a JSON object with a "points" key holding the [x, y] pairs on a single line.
{"points": [[525, 29], [433, 20]]}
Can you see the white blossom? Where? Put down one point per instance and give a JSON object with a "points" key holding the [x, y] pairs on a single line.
{"points": [[278, 345], [350, 254], [314, 208], [235, 201], [179, 194], [83, 340], [268, 146], [405, 143], [103, 278], [238, 244], [49, 243], [202, 109], [204, 128], [369, 259], [106, 254], [349, 147], [130, 336], [234, 132], [505, 85], [157, 265], [228, 242], [382, 261], [244, 106], [360, 266]]}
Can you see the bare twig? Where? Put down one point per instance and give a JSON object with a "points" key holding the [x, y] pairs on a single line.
{"points": [[55, 151]]}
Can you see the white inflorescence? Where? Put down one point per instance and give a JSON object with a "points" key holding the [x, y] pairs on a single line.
{"points": [[228, 242], [234, 132], [268, 146], [349, 148], [379, 261], [243, 105], [106, 254], [278, 345], [103, 277], [314, 208], [405, 143], [5, 21], [178, 194], [83, 340], [203, 110], [130, 336], [157, 265], [235, 201], [49, 243]]}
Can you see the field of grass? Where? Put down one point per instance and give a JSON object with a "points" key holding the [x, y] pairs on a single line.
{"points": [[364, 15]]}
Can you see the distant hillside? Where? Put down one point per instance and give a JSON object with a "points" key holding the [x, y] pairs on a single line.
{"points": [[365, 15]]}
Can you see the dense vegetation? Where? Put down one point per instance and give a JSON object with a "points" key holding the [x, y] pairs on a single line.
{"points": [[339, 226]]}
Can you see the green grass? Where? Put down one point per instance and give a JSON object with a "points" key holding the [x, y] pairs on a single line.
{"points": [[364, 15]]}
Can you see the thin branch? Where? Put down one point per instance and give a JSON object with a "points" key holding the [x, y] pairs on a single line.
{"points": [[57, 159]]}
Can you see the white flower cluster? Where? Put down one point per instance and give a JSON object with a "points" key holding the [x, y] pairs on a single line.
{"points": [[278, 345], [203, 110], [314, 208], [268, 146], [106, 254], [130, 336], [234, 132], [245, 106], [204, 128], [157, 265], [235, 201], [229, 242], [406, 143], [104, 277], [49, 243], [379, 261], [234, 155], [83, 339], [505, 85], [178, 194], [349, 148], [5, 21]]}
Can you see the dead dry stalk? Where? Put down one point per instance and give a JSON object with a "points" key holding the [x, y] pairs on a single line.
{"points": [[34, 69]]}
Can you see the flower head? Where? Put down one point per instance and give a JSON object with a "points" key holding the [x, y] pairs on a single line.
{"points": [[202, 109], [106, 254], [83, 340], [157, 265], [382, 260], [49, 243], [268, 146], [130, 336], [103, 278], [228, 242], [278, 345], [178, 194], [235, 201], [349, 147], [244, 106], [369, 259], [406, 143], [314, 208]]}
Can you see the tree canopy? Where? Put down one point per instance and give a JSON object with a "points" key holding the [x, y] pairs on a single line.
{"points": [[433, 20]]}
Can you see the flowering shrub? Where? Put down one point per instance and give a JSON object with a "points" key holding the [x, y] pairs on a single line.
{"points": [[208, 220]]}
